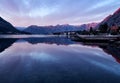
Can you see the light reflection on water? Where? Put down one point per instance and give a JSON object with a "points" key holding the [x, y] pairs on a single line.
{"points": [[39, 60]]}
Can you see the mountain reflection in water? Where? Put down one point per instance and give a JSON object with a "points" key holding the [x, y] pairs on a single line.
{"points": [[57, 60]]}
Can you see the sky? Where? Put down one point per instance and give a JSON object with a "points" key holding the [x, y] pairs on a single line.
{"points": [[52, 12]]}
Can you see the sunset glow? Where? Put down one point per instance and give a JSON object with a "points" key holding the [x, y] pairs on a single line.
{"points": [[53, 12]]}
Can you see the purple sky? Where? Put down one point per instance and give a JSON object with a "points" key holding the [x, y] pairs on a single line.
{"points": [[53, 12]]}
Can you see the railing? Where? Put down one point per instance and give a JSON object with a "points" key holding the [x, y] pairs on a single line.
{"points": [[112, 36]]}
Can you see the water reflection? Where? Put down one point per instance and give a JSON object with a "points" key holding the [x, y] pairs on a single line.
{"points": [[50, 40], [109, 48], [56, 60], [112, 50], [5, 43]]}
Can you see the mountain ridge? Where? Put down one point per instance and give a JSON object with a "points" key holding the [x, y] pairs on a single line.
{"points": [[6, 27], [113, 19], [34, 29]]}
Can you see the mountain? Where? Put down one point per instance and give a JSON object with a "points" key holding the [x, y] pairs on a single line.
{"points": [[93, 25], [51, 29], [58, 28], [112, 19], [20, 28], [7, 28]]}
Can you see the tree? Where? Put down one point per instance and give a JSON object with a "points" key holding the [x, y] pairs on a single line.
{"points": [[91, 30], [85, 32], [119, 29], [104, 28]]}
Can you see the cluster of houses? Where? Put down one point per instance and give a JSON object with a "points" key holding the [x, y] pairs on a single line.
{"points": [[105, 30], [115, 29]]}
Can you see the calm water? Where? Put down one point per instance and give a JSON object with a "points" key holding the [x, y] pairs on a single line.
{"points": [[57, 60]]}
